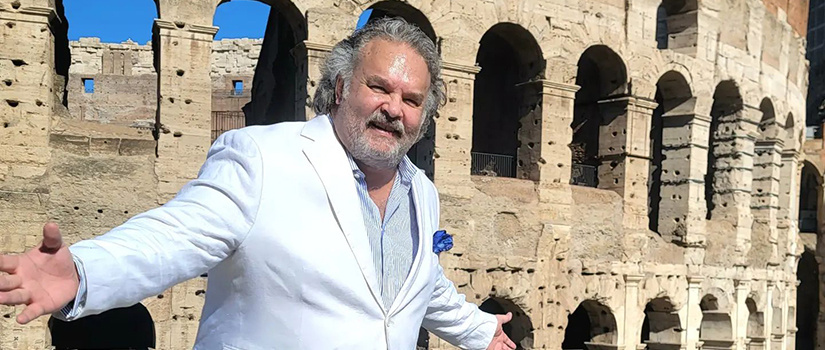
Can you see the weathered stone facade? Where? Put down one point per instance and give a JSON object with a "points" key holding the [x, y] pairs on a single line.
{"points": [[681, 124]]}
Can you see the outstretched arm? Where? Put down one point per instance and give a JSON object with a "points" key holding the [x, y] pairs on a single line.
{"points": [[151, 252], [461, 323]]}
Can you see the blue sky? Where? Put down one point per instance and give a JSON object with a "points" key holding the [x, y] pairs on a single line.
{"points": [[114, 21]]}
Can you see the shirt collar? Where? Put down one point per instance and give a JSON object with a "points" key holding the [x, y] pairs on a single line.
{"points": [[406, 169]]}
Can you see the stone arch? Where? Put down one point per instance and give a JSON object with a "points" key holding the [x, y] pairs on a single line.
{"points": [[810, 195], [672, 120], [716, 329], [767, 165], [520, 328], [279, 86], [101, 68], [422, 152], [124, 328], [768, 125], [677, 25], [791, 141], [463, 46], [599, 114], [756, 322], [727, 107], [661, 325], [807, 299], [507, 104], [591, 324], [409, 13]]}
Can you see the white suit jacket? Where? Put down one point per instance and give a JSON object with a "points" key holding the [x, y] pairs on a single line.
{"points": [[274, 216]]}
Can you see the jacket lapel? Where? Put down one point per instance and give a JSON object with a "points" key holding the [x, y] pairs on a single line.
{"points": [[329, 159]]}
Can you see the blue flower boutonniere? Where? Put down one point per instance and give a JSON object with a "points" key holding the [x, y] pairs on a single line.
{"points": [[442, 241]]}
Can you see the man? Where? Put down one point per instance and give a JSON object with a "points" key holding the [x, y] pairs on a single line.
{"points": [[316, 235]]}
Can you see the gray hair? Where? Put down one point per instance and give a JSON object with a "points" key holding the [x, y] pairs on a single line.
{"points": [[345, 56]]}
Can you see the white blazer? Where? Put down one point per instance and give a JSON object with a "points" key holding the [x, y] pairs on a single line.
{"points": [[274, 217]]}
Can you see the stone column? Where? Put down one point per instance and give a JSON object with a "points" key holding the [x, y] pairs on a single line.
{"points": [[789, 316], [32, 45], [633, 312], [740, 314], [734, 149], [682, 209], [770, 343], [765, 195], [787, 215], [184, 103], [454, 130], [316, 54], [555, 160], [694, 314], [557, 114], [624, 149]]}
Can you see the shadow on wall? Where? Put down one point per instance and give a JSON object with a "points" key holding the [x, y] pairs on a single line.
{"points": [[125, 328]]}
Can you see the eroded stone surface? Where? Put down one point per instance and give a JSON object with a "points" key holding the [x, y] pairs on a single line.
{"points": [[559, 256]]}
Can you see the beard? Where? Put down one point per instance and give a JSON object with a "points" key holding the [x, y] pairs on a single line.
{"points": [[366, 147]]}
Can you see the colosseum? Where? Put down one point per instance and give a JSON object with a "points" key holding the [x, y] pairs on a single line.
{"points": [[620, 174]]}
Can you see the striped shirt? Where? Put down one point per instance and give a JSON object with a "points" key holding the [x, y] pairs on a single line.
{"points": [[393, 240]]}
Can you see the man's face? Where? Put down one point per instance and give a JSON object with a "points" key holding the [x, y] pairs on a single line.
{"points": [[379, 116]]}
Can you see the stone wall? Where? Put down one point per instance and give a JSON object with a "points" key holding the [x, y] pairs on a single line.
{"points": [[575, 264], [233, 60]]}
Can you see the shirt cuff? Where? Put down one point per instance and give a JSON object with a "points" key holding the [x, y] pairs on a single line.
{"points": [[75, 307]]}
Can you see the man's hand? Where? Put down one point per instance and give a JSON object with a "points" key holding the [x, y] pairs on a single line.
{"points": [[43, 278], [500, 340]]}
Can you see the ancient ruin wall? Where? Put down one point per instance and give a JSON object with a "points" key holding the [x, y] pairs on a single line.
{"points": [[539, 247]]}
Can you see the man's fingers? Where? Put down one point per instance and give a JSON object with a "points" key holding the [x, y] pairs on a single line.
{"points": [[30, 313], [10, 282], [510, 344], [502, 319], [8, 263], [15, 297], [51, 237]]}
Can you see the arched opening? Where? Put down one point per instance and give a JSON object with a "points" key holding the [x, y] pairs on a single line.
{"points": [[810, 194], [234, 59], [677, 25], [507, 104], [422, 152], [519, 329], [756, 325], [591, 325], [727, 105], [261, 78], [661, 328], [768, 127], [669, 166], [108, 60], [125, 328], [807, 300], [399, 9], [767, 163], [602, 76], [790, 140], [715, 330]]}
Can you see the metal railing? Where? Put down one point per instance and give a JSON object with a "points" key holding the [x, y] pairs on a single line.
{"points": [[489, 164], [223, 121], [584, 175]]}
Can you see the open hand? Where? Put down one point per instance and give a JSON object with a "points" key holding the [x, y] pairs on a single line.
{"points": [[43, 278], [500, 340]]}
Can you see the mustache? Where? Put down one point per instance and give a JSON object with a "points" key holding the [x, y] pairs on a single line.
{"points": [[383, 121]]}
